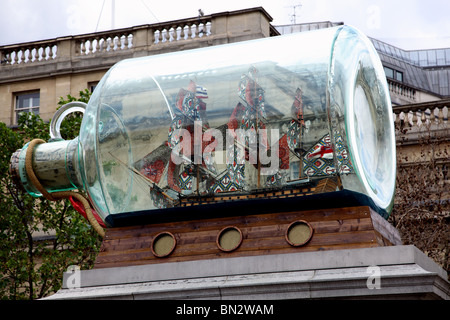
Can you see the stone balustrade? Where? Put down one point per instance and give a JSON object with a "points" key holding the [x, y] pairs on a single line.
{"points": [[32, 52], [416, 115], [121, 40], [102, 42], [182, 30], [137, 41], [402, 90], [105, 42]]}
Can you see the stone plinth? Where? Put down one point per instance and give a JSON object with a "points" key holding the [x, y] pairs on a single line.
{"points": [[370, 273]]}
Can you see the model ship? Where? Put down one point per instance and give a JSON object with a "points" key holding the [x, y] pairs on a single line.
{"points": [[176, 182]]}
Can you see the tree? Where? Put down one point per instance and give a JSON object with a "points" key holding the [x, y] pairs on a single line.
{"points": [[422, 208], [39, 239]]}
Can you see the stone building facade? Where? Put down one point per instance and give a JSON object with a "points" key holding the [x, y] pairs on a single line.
{"points": [[34, 75]]}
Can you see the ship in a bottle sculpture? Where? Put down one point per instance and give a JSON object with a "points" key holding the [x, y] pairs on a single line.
{"points": [[270, 134]]}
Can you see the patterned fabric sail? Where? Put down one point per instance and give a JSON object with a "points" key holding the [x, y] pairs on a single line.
{"points": [[319, 160]]}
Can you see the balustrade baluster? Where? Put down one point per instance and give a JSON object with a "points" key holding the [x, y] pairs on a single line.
{"points": [[101, 43], [409, 118], [402, 116], [178, 33], [171, 33], [436, 113], [414, 118], [33, 52], [44, 53], [193, 31], [22, 56], [120, 42], [157, 33], [200, 30], [97, 45], [25, 55], [16, 57], [91, 46], [54, 51], [445, 114], [186, 32], [397, 120], [429, 115], [114, 43], [48, 51]]}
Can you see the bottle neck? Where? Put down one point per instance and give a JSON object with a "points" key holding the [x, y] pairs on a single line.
{"points": [[55, 165]]}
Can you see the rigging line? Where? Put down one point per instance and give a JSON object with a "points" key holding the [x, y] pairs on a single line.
{"points": [[164, 96], [99, 17], [145, 5]]}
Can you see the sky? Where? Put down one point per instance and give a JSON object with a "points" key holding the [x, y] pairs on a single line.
{"points": [[407, 24]]}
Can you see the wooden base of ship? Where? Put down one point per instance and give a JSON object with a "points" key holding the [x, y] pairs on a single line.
{"points": [[246, 235]]}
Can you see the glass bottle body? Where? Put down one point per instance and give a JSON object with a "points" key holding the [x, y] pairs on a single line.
{"points": [[239, 118]]}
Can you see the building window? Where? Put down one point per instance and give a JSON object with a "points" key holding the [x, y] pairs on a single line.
{"points": [[389, 72], [393, 74], [27, 102], [92, 86]]}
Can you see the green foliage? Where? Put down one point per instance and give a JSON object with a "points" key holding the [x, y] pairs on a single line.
{"points": [[39, 239]]}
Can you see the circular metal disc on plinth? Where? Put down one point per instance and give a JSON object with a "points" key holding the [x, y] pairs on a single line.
{"points": [[299, 233], [163, 244], [229, 239]]}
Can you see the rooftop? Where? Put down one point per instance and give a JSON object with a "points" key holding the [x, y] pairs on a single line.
{"points": [[423, 69], [427, 70]]}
